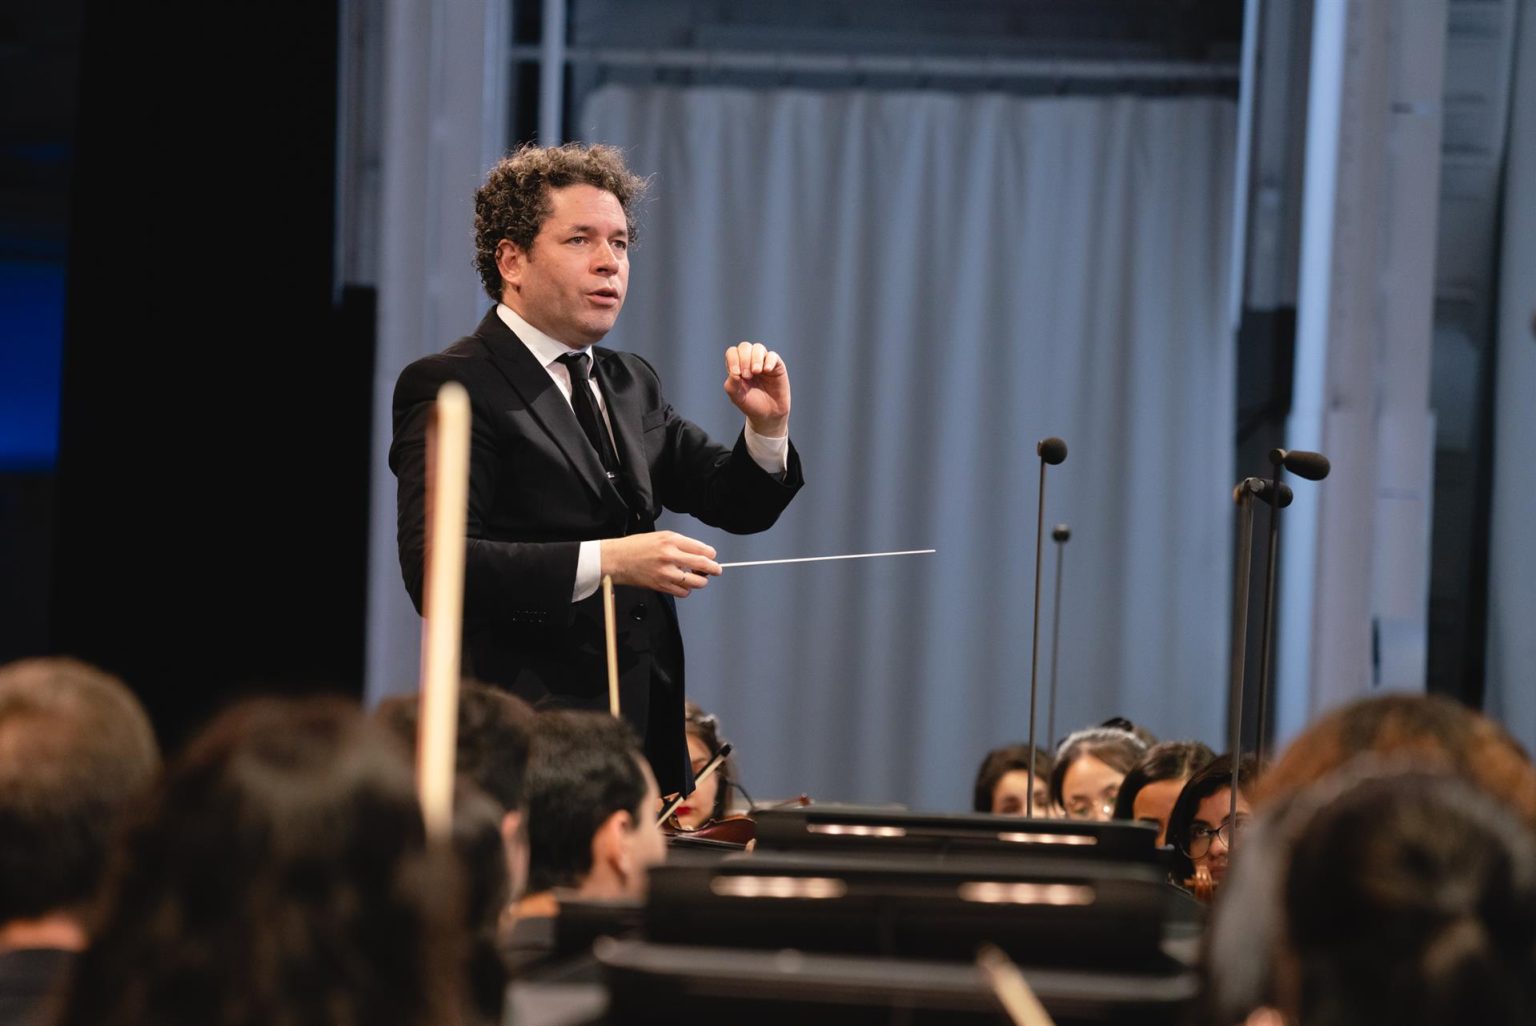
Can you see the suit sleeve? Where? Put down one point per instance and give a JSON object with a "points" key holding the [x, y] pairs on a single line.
{"points": [[723, 487], [504, 582]]}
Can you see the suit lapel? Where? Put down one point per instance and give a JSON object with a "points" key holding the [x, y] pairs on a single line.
{"points": [[624, 413], [545, 403]]}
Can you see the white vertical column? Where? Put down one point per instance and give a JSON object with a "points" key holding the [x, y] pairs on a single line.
{"points": [[446, 84], [1355, 579], [1511, 683]]}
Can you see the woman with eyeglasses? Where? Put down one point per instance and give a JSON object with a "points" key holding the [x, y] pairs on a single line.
{"points": [[1090, 764], [1202, 828]]}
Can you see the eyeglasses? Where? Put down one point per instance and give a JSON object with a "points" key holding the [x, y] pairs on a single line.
{"points": [[1201, 836]]}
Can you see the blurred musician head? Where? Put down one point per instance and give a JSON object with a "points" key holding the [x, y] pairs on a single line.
{"points": [[1090, 764], [1412, 899], [1201, 826], [491, 753], [1430, 730], [710, 798], [1002, 782], [1406, 898], [591, 810], [1152, 786], [76, 753], [281, 873]]}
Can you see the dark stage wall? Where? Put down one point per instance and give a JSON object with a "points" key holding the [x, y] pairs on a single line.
{"points": [[211, 506]]}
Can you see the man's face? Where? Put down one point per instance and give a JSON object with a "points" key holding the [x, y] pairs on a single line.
{"points": [[571, 283], [1008, 796]]}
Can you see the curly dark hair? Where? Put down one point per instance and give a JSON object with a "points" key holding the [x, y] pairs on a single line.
{"points": [[514, 201], [280, 875]]}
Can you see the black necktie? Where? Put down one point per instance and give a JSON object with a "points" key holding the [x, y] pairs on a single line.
{"points": [[587, 413]]}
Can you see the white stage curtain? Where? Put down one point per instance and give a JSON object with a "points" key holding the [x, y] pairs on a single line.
{"points": [[1511, 667], [950, 278]]}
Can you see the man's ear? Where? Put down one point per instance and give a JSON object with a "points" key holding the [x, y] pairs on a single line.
{"points": [[510, 259], [613, 845]]}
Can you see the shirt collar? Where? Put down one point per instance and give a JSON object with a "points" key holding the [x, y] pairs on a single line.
{"points": [[544, 348]]}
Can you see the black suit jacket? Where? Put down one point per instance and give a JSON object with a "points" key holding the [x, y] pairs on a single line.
{"points": [[536, 491]]}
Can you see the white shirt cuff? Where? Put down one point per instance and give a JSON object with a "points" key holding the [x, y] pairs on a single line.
{"points": [[772, 454], [589, 569]]}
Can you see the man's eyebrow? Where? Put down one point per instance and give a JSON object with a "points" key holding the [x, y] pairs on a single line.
{"points": [[587, 229]]}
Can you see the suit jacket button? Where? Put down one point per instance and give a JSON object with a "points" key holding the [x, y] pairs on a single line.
{"points": [[639, 612]]}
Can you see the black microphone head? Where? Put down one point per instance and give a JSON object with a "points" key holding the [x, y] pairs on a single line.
{"points": [[1052, 450], [1286, 495], [1061, 533], [1313, 466]]}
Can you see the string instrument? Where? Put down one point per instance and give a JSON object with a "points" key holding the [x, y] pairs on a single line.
{"points": [[736, 829], [1202, 885]]}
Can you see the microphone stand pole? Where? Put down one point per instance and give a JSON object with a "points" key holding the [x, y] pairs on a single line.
{"points": [[1243, 495], [1266, 639], [1060, 534], [1052, 451]]}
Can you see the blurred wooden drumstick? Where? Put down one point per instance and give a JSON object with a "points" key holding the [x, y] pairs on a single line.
{"points": [[442, 606], [610, 636], [1012, 990]]}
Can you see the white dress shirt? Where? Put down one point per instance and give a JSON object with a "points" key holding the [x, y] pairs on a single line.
{"points": [[772, 454]]}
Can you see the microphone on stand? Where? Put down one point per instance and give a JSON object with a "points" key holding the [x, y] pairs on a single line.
{"points": [[1313, 466], [1051, 451], [1267, 492], [1060, 534]]}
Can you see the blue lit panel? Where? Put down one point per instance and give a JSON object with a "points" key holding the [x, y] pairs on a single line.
{"points": [[31, 359]]}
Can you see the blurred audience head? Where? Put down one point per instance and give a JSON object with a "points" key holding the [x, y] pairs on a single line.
{"points": [[592, 807], [495, 730], [281, 874], [1152, 786], [76, 752], [1090, 764], [1380, 894], [1432, 731], [1201, 826], [710, 798], [1411, 899], [1002, 782]]}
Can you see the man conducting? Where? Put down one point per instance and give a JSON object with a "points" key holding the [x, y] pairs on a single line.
{"points": [[574, 453]]}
